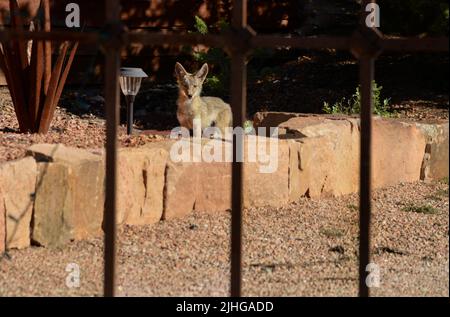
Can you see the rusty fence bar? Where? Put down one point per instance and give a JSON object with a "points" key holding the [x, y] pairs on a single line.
{"points": [[238, 43], [57, 35], [398, 44], [366, 75], [112, 68], [239, 106]]}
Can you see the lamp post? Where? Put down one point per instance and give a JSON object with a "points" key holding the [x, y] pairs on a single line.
{"points": [[130, 83]]}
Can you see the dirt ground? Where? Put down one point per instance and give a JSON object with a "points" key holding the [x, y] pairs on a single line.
{"points": [[308, 248]]}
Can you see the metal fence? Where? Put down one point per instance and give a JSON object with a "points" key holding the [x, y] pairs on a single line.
{"points": [[366, 43]]}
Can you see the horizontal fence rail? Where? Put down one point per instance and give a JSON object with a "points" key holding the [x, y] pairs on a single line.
{"points": [[415, 44], [366, 44]]}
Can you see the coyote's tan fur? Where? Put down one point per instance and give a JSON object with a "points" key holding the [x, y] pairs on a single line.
{"points": [[211, 111]]}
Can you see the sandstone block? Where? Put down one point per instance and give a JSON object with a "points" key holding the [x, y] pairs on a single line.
{"points": [[69, 201], [398, 150], [17, 190], [324, 156], [266, 172], [141, 185], [436, 161], [2, 226]]}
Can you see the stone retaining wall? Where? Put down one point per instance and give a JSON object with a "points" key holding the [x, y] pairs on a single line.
{"points": [[56, 194]]}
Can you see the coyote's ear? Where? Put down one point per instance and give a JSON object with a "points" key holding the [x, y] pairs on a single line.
{"points": [[203, 72], [180, 72]]}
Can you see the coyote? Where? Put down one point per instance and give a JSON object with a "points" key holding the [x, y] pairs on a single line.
{"points": [[212, 111]]}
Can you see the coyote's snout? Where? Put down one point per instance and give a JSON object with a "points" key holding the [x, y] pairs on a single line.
{"points": [[212, 111]]}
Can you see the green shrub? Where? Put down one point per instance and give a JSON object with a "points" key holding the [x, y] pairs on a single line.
{"points": [[353, 104], [218, 79]]}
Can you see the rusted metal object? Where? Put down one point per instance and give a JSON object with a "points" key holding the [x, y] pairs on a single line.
{"points": [[238, 103], [34, 86], [37, 74], [112, 99], [238, 87], [366, 42], [47, 45], [365, 47], [57, 81], [65, 73], [20, 47], [54, 35], [366, 76], [47, 113], [399, 44]]}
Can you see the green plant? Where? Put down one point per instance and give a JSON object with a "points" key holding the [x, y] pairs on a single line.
{"points": [[218, 79], [353, 104], [422, 209], [200, 25], [248, 127], [34, 84]]}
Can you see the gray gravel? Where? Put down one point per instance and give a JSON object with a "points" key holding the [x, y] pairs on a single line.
{"points": [[308, 248]]}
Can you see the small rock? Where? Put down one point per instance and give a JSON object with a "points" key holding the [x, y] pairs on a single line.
{"points": [[193, 227], [339, 249]]}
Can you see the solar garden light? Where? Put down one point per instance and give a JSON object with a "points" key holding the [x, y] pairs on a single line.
{"points": [[130, 83]]}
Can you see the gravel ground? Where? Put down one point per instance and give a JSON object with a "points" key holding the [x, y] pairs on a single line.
{"points": [[308, 248]]}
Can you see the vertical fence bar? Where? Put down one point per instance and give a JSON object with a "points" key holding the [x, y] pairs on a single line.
{"points": [[112, 66], [238, 97], [366, 76], [238, 104]]}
